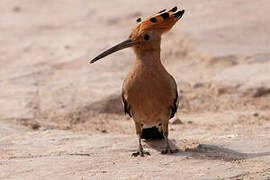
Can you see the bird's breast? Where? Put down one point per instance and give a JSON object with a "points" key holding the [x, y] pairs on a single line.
{"points": [[149, 95]]}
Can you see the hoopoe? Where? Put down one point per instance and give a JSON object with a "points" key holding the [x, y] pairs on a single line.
{"points": [[149, 92]]}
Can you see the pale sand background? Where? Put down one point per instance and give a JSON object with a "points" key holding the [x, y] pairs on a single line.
{"points": [[62, 118]]}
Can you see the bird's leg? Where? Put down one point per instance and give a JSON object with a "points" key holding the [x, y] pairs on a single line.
{"points": [[167, 145], [140, 150]]}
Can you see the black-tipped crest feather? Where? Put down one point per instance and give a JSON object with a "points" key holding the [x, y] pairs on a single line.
{"points": [[179, 14], [162, 11], [174, 9], [165, 15]]}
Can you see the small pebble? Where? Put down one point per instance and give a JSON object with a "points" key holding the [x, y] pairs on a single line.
{"points": [[16, 9], [35, 126], [104, 131], [67, 47], [256, 114], [196, 101], [176, 120], [197, 85]]}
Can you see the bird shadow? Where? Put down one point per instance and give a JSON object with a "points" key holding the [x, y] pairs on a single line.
{"points": [[206, 151]]}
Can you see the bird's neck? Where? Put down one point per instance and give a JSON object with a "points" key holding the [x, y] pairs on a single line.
{"points": [[148, 57]]}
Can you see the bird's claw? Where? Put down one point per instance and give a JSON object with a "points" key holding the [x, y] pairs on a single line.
{"points": [[141, 153], [165, 151]]}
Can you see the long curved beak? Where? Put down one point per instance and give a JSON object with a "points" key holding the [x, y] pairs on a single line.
{"points": [[122, 45]]}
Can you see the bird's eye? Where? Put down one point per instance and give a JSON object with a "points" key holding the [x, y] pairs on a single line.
{"points": [[146, 37], [139, 20]]}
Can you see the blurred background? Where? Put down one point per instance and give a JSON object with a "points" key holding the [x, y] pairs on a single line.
{"points": [[218, 53], [54, 104]]}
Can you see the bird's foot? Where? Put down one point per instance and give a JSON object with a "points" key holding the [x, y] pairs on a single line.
{"points": [[168, 150], [141, 153]]}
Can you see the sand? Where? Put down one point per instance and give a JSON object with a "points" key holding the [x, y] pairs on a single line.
{"points": [[62, 118]]}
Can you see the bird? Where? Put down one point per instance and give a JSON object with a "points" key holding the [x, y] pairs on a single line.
{"points": [[149, 92]]}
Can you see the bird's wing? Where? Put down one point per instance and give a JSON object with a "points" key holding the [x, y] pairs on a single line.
{"points": [[175, 102], [125, 104]]}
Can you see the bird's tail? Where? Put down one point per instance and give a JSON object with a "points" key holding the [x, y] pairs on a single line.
{"points": [[152, 133]]}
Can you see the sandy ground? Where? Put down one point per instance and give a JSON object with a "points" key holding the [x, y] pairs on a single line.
{"points": [[62, 118]]}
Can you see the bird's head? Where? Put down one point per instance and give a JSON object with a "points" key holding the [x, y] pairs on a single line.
{"points": [[146, 35]]}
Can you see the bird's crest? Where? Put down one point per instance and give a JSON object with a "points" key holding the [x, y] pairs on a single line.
{"points": [[162, 21], [147, 33]]}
